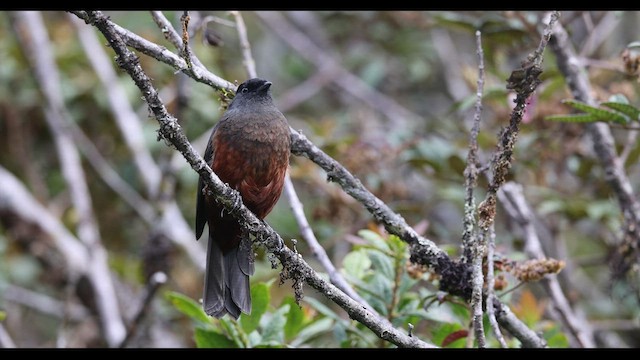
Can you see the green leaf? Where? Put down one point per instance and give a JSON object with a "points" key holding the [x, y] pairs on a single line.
{"points": [[397, 245], [322, 308], [631, 111], [575, 118], [313, 330], [271, 345], [3, 315], [234, 332], [295, 318], [556, 338], [260, 298], [356, 263], [601, 114], [188, 306], [374, 239], [274, 329], [383, 264], [206, 338]]}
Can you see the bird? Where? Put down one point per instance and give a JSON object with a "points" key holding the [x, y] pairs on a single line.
{"points": [[248, 149]]}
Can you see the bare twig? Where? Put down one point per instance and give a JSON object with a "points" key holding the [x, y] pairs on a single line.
{"points": [[474, 245], [445, 48], [185, 50], [198, 72], [174, 37], [491, 295], [15, 198], [509, 321], [247, 58], [294, 266], [34, 39], [44, 304], [629, 249], [155, 281], [600, 33], [317, 250], [5, 339], [167, 29], [512, 197]]}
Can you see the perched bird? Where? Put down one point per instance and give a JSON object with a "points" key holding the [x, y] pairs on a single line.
{"points": [[249, 150]]}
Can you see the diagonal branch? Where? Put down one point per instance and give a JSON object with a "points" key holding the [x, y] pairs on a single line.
{"points": [[511, 195], [161, 53], [230, 199]]}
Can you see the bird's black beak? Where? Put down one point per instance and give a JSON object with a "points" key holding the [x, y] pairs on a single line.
{"points": [[266, 86]]}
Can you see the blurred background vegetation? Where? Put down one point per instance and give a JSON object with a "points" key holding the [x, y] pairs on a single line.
{"points": [[400, 122]]}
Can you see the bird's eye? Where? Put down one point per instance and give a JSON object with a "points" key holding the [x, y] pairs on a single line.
{"points": [[244, 90]]}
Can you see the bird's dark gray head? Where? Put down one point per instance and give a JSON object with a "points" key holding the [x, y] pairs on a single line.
{"points": [[253, 91]]}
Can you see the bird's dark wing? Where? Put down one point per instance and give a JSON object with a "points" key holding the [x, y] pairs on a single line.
{"points": [[201, 207]]}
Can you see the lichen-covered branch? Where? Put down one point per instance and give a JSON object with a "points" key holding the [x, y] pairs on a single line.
{"points": [[161, 53], [474, 245], [510, 321], [294, 267]]}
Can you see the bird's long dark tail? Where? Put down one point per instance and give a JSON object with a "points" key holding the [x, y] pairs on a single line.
{"points": [[226, 282]]}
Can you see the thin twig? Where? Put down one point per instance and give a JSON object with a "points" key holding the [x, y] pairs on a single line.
{"points": [[630, 144], [155, 281], [185, 50], [15, 198], [600, 33], [317, 250], [294, 267], [5, 339], [34, 39], [512, 197], [491, 312], [174, 37], [474, 245], [167, 29], [160, 53], [44, 304], [509, 321], [247, 58]]}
